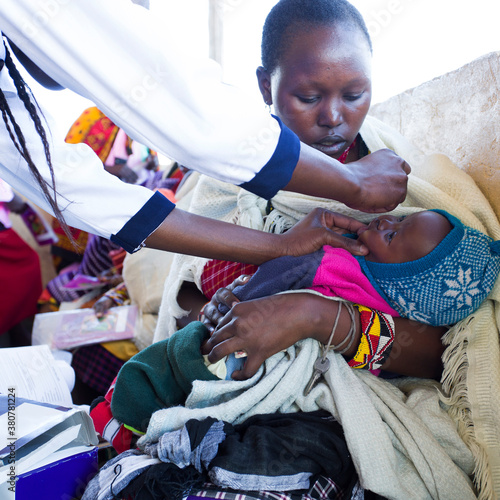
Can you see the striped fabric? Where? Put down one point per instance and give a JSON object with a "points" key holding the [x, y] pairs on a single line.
{"points": [[96, 366], [221, 273], [96, 259], [110, 429], [322, 489]]}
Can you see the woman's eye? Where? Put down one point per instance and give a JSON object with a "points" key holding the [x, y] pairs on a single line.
{"points": [[353, 97], [307, 100]]}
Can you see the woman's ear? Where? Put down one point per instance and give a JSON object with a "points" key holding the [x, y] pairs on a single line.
{"points": [[264, 81]]}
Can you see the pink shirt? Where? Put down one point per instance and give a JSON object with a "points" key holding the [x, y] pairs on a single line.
{"points": [[340, 275]]}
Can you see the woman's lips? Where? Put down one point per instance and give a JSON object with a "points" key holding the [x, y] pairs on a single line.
{"points": [[331, 146]]}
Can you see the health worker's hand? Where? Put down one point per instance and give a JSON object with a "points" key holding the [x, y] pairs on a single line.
{"points": [[323, 227], [381, 179]]}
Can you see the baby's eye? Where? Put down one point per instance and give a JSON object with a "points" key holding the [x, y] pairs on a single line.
{"points": [[402, 218]]}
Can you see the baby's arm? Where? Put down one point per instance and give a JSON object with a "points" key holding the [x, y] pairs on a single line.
{"points": [[417, 349], [191, 299]]}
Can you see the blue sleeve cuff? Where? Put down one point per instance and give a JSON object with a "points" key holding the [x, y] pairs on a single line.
{"points": [[278, 171], [132, 235]]}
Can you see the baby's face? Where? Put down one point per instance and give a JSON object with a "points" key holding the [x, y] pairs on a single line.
{"points": [[393, 240]]}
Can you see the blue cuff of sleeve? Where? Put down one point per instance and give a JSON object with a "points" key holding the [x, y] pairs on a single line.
{"points": [[278, 171], [132, 235]]}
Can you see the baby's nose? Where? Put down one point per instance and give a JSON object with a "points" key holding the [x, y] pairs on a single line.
{"points": [[385, 224]]}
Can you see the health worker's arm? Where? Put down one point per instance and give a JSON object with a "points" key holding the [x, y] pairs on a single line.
{"points": [[177, 104]]}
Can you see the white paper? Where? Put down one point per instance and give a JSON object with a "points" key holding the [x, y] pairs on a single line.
{"points": [[29, 417], [43, 454], [33, 374]]}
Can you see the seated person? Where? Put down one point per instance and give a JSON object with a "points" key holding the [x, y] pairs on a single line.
{"points": [[427, 266], [20, 274]]}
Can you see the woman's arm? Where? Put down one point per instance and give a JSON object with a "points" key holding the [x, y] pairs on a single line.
{"points": [[263, 327]]}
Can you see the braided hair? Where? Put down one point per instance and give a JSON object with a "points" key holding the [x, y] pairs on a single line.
{"points": [[17, 137]]}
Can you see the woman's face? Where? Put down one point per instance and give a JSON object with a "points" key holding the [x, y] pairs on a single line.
{"points": [[322, 87]]}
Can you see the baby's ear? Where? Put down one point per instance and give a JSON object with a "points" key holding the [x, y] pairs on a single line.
{"points": [[264, 81]]}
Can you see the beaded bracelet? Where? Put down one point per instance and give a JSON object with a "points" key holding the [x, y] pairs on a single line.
{"points": [[119, 295], [377, 338]]}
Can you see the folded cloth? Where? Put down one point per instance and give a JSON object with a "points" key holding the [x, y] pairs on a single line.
{"points": [[117, 473], [402, 442], [275, 452], [160, 376]]}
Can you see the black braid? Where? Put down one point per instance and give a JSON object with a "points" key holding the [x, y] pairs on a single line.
{"points": [[19, 141]]}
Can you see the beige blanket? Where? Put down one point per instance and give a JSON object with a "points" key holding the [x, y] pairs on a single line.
{"points": [[471, 379]]}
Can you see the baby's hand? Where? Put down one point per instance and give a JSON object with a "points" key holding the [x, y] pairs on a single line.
{"points": [[17, 205], [102, 306], [211, 312]]}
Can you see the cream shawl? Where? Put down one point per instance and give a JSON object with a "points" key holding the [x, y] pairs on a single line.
{"points": [[471, 379]]}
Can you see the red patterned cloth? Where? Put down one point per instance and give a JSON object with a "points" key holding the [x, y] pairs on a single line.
{"points": [[110, 429], [94, 128], [221, 273]]}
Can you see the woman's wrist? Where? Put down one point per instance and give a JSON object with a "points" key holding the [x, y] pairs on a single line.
{"points": [[322, 318]]}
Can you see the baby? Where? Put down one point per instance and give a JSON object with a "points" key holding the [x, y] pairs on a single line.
{"points": [[427, 266]]}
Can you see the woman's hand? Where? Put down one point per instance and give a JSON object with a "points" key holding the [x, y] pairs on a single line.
{"points": [[263, 327], [127, 175]]}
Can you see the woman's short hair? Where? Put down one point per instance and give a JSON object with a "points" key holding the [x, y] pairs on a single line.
{"points": [[289, 16]]}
